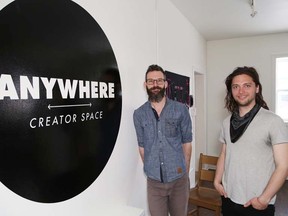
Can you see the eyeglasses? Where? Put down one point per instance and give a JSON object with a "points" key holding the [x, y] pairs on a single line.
{"points": [[159, 81]]}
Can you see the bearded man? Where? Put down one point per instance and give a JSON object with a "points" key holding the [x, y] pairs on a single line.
{"points": [[164, 134]]}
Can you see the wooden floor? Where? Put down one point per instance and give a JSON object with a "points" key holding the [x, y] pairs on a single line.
{"points": [[281, 204]]}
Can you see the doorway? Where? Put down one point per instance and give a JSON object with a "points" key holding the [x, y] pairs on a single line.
{"points": [[199, 117]]}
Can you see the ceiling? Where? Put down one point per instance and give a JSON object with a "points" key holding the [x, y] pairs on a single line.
{"points": [[224, 19]]}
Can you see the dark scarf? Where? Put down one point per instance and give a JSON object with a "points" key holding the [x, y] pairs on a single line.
{"points": [[238, 125]]}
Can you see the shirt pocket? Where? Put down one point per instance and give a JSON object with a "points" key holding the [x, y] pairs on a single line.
{"points": [[171, 127], [148, 130]]}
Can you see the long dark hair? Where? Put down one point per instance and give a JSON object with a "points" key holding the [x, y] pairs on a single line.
{"points": [[230, 103]]}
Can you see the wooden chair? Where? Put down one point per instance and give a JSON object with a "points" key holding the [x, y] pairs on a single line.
{"points": [[204, 194]]}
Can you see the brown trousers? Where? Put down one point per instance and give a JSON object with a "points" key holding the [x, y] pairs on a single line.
{"points": [[172, 197]]}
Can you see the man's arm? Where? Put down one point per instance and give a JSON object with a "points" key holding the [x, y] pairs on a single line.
{"points": [[141, 152], [187, 149], [219, 172], [277, 179]]}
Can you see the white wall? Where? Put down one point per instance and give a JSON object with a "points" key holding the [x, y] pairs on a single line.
{"points": [[223, 56], [141, 33]]}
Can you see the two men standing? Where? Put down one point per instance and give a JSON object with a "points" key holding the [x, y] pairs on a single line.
{"points": [[252, 166]]}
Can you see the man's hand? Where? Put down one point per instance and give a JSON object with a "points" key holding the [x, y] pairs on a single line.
{"points": [[219, 187], [256, 203]]}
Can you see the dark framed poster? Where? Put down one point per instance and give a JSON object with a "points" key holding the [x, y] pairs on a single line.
{"points": [[178, 88]]}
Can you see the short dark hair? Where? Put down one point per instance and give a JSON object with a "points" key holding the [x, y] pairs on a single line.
{"points": [[155, 67], [230, 103]]}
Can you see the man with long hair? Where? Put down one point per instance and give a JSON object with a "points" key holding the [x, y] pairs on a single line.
{"points": [[253, 163], [164, 135]]}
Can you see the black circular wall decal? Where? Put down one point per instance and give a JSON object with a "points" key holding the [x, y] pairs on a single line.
{"points": [[60, 99]]}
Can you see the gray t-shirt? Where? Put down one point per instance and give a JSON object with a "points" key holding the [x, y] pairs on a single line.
{"points": [[249, 162]]}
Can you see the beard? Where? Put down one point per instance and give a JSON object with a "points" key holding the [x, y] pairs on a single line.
{"points": [[245, 103], [155, 96]]}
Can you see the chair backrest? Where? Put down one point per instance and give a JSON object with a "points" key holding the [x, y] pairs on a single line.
{"points": [[207, 169]]}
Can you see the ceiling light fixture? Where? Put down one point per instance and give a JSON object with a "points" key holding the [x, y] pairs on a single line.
{"points": [[252, 4]]}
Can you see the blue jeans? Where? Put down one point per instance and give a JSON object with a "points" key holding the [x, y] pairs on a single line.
{"points": [[169, 197], [230, 208]]}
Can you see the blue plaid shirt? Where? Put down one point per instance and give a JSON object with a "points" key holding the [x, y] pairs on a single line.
{"points": [[162, 138]]}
